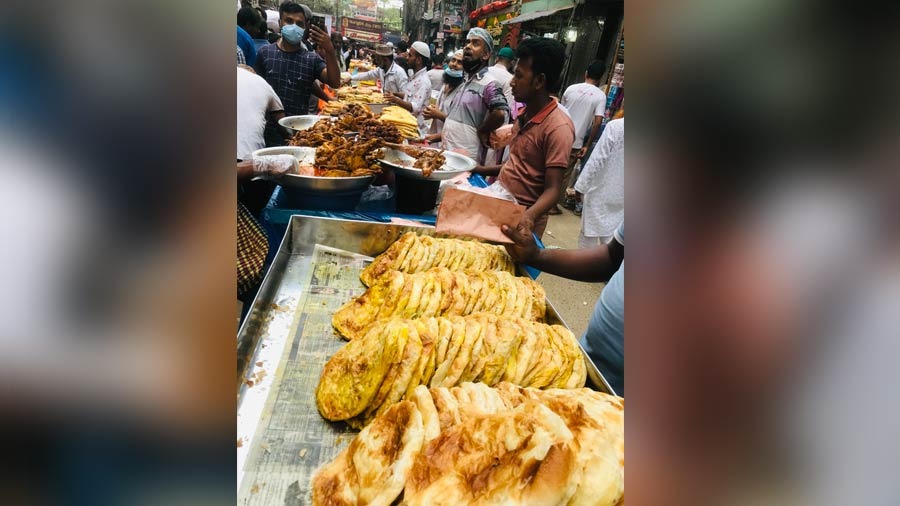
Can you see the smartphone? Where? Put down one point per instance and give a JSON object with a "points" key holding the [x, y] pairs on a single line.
{"points": [[319, 21]]}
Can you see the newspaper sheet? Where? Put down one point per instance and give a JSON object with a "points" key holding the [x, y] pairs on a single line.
{"points": [[292, 440]]}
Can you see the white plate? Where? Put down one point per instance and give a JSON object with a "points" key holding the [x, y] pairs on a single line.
{"points": [[402, 164]]}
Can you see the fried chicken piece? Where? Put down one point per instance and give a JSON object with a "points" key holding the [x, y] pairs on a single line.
{"points": [[335, 173], [430, 161], [374, 129], [412, 151]]}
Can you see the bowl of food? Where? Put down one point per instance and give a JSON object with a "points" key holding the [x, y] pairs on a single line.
{"points": [[428, 164], [299, 123], [311, 189]]}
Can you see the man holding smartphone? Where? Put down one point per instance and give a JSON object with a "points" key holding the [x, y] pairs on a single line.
{"points": [[290, 67]]}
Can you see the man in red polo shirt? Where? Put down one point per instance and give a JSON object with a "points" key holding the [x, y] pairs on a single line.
{"points": [[542, 135]]}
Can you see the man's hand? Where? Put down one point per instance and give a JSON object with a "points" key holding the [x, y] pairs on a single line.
{"points": [[581, 152], [400, 102], [487, 170], [274, 166], [501, 137], [432, 112], [391, 98], [321, 39], [527, 222], [523, 249]]}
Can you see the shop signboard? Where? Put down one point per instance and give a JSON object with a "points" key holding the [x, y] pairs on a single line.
{"points": [[362, 29], [364, 9], [452, 23]]}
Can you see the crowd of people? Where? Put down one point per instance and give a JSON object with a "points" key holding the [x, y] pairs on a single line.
{"points": [[499, 108]]}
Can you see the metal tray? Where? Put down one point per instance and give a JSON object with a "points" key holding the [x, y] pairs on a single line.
{"points": [[284, 343]]}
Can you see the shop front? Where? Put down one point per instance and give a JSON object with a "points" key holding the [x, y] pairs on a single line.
{"points": [[590, 30], [491, 16]]}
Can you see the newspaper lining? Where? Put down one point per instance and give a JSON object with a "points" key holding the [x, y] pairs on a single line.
{"points": [[292, 439]]}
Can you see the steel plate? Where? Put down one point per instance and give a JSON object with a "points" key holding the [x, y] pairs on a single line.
{"points": [[456, 165]]}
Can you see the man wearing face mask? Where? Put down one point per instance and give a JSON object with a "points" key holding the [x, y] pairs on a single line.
{"points": [[289, 67], [480, 107], [418, 90], [452, 79], [393, 78]]}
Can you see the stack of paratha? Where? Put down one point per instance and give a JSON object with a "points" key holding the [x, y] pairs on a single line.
{"points": [[372, 372], [441, 292], [478, 445], [413, 253]]}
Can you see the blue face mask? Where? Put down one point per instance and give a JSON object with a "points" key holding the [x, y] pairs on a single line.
{"points": [[453, 73], [292, 33]]}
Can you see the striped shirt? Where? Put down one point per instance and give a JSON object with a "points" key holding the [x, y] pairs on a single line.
{"points": [[479, 95]]}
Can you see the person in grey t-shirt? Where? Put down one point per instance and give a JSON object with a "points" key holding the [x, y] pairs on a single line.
{"points": [[604, 339]]}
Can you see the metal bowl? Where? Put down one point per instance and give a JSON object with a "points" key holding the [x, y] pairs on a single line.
{"points": [[316, 184], [298, 123], [402, 164]]}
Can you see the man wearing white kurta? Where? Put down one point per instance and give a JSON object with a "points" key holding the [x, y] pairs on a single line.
{"points": [[602, 182]]}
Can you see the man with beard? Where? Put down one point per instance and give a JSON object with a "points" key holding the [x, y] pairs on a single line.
{"points": [[452, 77], [393, 78], [418, 90], [480, 107], [542, 135]]}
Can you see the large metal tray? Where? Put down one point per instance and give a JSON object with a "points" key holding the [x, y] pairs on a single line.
{"points": [[284, 343]]}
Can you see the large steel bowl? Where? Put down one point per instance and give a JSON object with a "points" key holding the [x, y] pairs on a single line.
{"points": [[402, 164], [298, 123], [314, 183]]}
